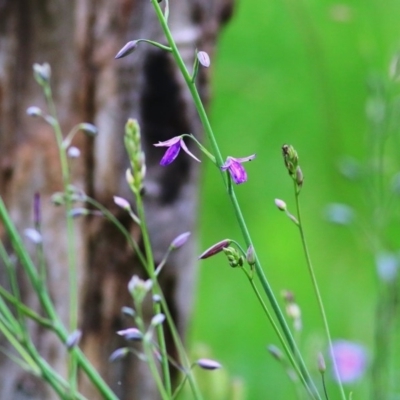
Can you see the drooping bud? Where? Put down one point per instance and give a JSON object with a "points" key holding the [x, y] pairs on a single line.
{"points": [[129, 48], [157, 320], [73, 152], [122, 203], [33, 235], [280, 204], [118, 354], [132, 334], [208, 364], [139, 288], [73, 339], [88, 128], [128, 311], [34, 111], [275, 352], [215, 249]]}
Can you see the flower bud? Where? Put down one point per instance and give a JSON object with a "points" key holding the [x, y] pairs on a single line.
{"points": [[157, 319], [90, 129], [280, 204], [132, 334], [73, 152], [34, 111], [208, 364], [42, 73], [203, 58], [180, 240], [129, 48], [250, 255], [299, 177], [118, 354], [275, 352], [215, 249], [321, 363], [235, 259], [122, 203], [73, 339]]}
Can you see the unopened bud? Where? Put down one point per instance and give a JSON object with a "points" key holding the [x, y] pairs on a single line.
{"points": [[275, 352], [208, 364], [215, 249], [203, 58], [122, 203], [180, 240], [34, 111], [290, 158], [90, 129], [250, 255], [73, 339], [280, 204], [157, 319], [42, 73], [299, 177], [73, 152], [131, 334], [129, 48], [321, 363], [129, 177], [118, 354]]}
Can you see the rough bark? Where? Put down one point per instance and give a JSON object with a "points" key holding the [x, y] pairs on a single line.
{"points": [[79, 39]]}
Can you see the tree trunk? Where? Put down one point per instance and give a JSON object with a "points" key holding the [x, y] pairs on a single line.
{"points": [[79, 39]]}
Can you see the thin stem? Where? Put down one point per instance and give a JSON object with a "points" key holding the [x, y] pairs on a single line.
{"points": [[219, 161], [278, 333], [156, 306], [317, 291], [324, 386]]}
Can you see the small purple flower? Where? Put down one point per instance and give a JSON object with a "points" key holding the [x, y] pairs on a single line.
{"points": [[236, 169], [351, 360], [174, 147]]}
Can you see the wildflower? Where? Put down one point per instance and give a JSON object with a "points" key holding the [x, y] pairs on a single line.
{"points": [[236, 169], [73, 339], [179, 241], [351, 360], [174, 147]]}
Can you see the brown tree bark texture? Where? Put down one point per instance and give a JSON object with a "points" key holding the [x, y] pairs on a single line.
{"points": [[79, 39]]}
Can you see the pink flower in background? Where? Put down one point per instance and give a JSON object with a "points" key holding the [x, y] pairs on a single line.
{"points": [[351, 360]]}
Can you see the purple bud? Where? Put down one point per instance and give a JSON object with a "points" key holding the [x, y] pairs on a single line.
{"points": [[180, 240], [33, 235], [208, 364], [157, 298], [216, 248], [118, 354], [250, 255], [203, 58], [73, 152], [280, 204], [121, 202], [130, 312], [129, 48], [34, 111], [131, 334], [88, 128], [78, 212], [73, 339], [157, 319]]}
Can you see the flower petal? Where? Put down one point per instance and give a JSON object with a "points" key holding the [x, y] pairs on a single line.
{"points": [[237, 171], [227, 163], [244, 159], [169, 142], [171, 153], [184, 147]]}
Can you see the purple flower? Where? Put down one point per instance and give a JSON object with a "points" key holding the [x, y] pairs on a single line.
{"points": [[351, 360], [174, 147], [236, 169]]}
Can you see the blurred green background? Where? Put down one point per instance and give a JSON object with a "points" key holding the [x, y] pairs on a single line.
{"points": [[292, 71]]}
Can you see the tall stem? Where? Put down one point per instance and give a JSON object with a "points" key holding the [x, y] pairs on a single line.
{"points": [[239, 216], [317, 291]]}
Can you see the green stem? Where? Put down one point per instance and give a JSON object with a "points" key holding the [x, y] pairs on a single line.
{"points": [[156, 306], [219, 161], [317, 291], [279, 334], [47, 305]]}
